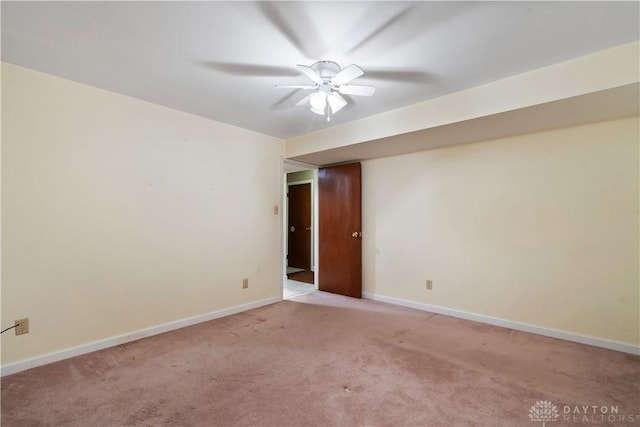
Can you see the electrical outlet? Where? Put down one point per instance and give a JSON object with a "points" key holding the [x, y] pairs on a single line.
{"points": [[22, 326], [429, 285], [245, 283]]}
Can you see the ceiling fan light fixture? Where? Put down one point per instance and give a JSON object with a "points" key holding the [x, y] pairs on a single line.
{"points": [[318, 102], [336, 102]]}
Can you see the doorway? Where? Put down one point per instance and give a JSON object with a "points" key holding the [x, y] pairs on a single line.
{"points": [[299, 232], [335, 231]]}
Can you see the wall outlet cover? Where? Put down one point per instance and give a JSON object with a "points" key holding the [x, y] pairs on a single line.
{"points": [[22, 326]]}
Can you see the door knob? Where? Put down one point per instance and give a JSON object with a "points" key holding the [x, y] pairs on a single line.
{"points": [[292, 229], [356, 234]]}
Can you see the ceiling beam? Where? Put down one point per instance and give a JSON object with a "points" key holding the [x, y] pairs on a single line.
{"points": [[595, 87]]}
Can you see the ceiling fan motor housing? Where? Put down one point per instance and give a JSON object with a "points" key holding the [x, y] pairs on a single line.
{"points": [[326, 69]]}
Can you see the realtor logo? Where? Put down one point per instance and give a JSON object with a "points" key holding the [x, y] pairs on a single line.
{"points": [[544, 411]]}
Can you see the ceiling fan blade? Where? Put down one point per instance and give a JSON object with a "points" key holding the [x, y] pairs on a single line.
{"points": [[284, 99], [310, 73], [399, 75], [336, 102], [382, 28], [305, 99], [291, 20], [295, 87], [347, 74], [357, 90], [240, 69]]}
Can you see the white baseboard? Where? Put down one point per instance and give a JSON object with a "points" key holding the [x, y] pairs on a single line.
{"points": [[525, 327], [22, 365]]}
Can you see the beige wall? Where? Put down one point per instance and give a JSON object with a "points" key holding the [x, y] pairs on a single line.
{"points": [[541, 229], [118, 214]]}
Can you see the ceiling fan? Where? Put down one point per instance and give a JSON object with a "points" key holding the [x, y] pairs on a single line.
{"points": [[329, 82]]}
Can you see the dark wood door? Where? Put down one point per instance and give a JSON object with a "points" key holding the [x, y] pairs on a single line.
{"points": [[340, 230], [299, 233]]}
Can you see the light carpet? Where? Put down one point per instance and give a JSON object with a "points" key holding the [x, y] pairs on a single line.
{"points": [[327, 360]]}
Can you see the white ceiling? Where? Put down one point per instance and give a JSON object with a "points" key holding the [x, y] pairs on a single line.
{"points": [[221, 60]]}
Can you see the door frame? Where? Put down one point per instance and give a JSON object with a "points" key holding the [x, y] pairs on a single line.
{"points": [[314, 219]]}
